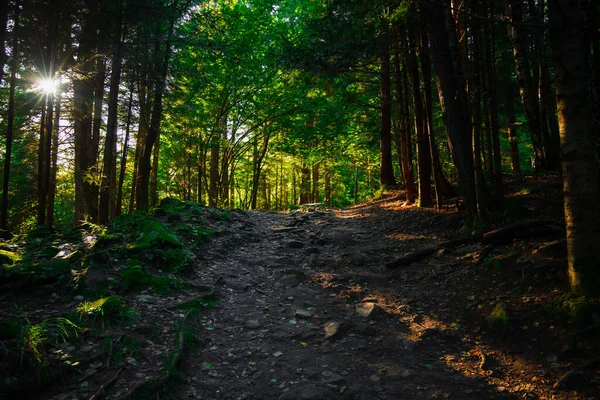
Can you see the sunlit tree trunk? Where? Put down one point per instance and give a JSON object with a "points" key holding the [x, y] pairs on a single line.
{"points": [[53, 164], [386, 169], [213, 191], [513, 137], [154, 174], [578, 144]]}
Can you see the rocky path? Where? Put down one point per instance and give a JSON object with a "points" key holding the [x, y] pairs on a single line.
{"points": [[307, 312]]}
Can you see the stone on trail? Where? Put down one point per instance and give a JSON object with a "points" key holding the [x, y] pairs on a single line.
{"points": [[293, 244], [252, 324], [307, 392], [300, 313], [332, 329]]}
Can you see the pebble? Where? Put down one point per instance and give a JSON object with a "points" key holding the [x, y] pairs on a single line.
{"points": [[252, 324]]}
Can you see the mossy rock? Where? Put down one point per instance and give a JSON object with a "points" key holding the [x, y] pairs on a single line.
{"points": [[9, 258], [105, 306], [153, 232], [134, 277], [498, 320], [581, 312]]}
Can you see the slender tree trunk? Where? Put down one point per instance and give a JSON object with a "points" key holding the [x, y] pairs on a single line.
{"points": [[493, 99], [453, 97], [578, 144], [305, 184], [513, 137], [406, 142], [474, 91], [528, 95], [154, 174], [213, 193], [53, 164], [144, 167], [328, 187], [11, 114], [315, 183], [4, 9], [386, 169], [119, 199], [423, 151], [356, 184], [110, 144]]}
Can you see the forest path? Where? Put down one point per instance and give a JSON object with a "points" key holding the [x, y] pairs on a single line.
{"points": [[307, 311]]}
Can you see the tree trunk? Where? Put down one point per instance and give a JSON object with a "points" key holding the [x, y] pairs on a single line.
{"points": [[53, 164], [144, 167], [453, 97], [110, 144], [305, 184], [356, 184], [386, 169], [328, 187], [475, 94], [578, 144], [513, 137], [10, 117], [493, 99], [4, 8], [154, 175], [528, 95], [423, 151], [315, 183], [119, 199], [213, 192]]}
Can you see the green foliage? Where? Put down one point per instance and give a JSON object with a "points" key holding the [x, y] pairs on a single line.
{"points": [[498, 320], [36, 337], [9, 258]]}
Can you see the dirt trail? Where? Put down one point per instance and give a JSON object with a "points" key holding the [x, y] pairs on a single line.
{"points": [[307, 311]]}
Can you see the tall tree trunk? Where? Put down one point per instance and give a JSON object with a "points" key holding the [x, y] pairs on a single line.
{"points": [[493, 99], [44, 160], [123, 167], [53, 164], [213, 192], [83, 98], [423, 151], [110, 144], [528, 94], [10, 117], [403, 125], [475, 94], [453, 97], [4, 9], [305, 183], [581, 175], [315, 183], [328, 187], [513, 137], [144, 167], [386, 169], [356, 184], [154, 174]]}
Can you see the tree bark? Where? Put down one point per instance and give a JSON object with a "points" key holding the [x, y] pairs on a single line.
{"points": [[315, 183], [305, 183], [528, 94], [386, 169], [453, 97], [423, 151], [10, 117], [123, 167], [144, 167], [578, 145], [53, 164], [110, 144], [513, 137]]}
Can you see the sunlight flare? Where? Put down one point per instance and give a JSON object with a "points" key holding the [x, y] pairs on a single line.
{"points": [[48, 86]]}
